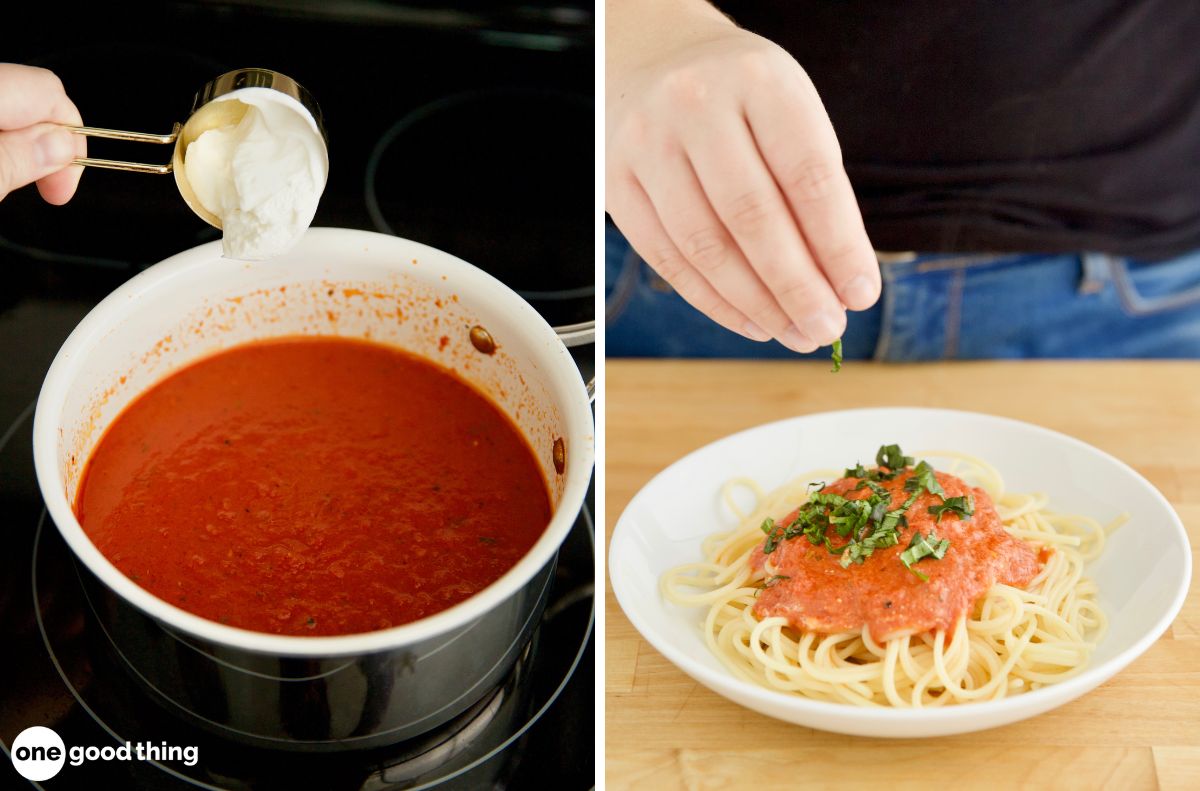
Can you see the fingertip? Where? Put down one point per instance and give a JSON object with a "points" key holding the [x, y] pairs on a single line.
{"points": [[859, 292], [755, 332], [797, 340], [58, 188]]}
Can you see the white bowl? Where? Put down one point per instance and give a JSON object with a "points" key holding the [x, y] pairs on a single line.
{"points": [[1143, 574]]}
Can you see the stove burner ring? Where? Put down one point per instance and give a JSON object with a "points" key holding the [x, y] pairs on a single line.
{"points": [[432, 110], [411, 767], [575, 334], [458, 739], [421, 740]]}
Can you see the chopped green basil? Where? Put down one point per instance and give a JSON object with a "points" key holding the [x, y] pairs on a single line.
{"points": [[867, 483], [922, 546], [867, 524], [857, 471], [963, 506], [774, 535], [836, 355], [923, 478], [893, 458]]}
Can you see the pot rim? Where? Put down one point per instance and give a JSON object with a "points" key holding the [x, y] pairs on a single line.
{"points": [[561, 373]]}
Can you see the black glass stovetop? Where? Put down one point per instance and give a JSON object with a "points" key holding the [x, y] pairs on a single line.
{"points": [[469, 128], [57, 670]]}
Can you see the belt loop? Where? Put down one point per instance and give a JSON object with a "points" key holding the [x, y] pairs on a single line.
{"points": [[1095, 272], [888, 257]]}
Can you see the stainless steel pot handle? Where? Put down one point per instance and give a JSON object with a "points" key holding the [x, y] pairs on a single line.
{"points": [[579, 335]]}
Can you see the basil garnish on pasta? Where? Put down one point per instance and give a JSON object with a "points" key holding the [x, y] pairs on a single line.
{"points": [[867, 523], [923, 478], [893, 458], [963, 506], [818, 634], [921, 547]]}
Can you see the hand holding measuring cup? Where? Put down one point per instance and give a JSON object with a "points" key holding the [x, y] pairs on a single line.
{"points": [[33, 145], [250, 159]]}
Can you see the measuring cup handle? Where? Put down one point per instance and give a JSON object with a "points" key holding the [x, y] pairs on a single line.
{"points": [[117, 134]]}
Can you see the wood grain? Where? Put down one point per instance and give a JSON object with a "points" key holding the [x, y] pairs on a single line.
{"points": [[1141, 730]]}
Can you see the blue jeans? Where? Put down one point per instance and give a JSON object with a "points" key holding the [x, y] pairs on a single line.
{"points": [[945, 306]]}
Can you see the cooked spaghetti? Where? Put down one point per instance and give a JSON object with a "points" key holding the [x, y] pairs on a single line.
{"points": [[898, 585]]}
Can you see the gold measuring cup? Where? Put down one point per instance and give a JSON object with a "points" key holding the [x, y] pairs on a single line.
{"points": [[206, 114]]}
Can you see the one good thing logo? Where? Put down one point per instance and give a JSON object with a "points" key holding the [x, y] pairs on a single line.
{"points": [[39, 753]]}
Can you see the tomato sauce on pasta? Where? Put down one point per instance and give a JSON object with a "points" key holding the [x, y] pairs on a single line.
{"points": [[819, 595]]}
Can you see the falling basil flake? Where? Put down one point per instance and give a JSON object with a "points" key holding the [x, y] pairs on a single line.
{"points": [[836, 355], [963, 506]]}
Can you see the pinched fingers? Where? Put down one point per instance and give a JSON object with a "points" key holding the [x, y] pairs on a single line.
{"points": [[635, 214], [744, 195], [700, 236], [797, 142]]}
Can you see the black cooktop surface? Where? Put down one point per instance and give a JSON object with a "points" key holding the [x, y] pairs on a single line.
{"points": [[467, 128]]}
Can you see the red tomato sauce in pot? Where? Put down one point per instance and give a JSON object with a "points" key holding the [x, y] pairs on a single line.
{"points": [[313, 486], [821, 596]]}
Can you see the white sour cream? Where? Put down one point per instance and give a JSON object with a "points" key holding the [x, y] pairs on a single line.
{"points": [[263, 176]]}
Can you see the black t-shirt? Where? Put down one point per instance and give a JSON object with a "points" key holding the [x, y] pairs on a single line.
{"points": [[1041, 125]]}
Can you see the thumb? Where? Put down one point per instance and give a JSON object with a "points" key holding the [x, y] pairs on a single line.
{"points": [[29, 154]]}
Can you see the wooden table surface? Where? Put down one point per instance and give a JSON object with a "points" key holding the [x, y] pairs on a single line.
{"points": [[1141, 730]]}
